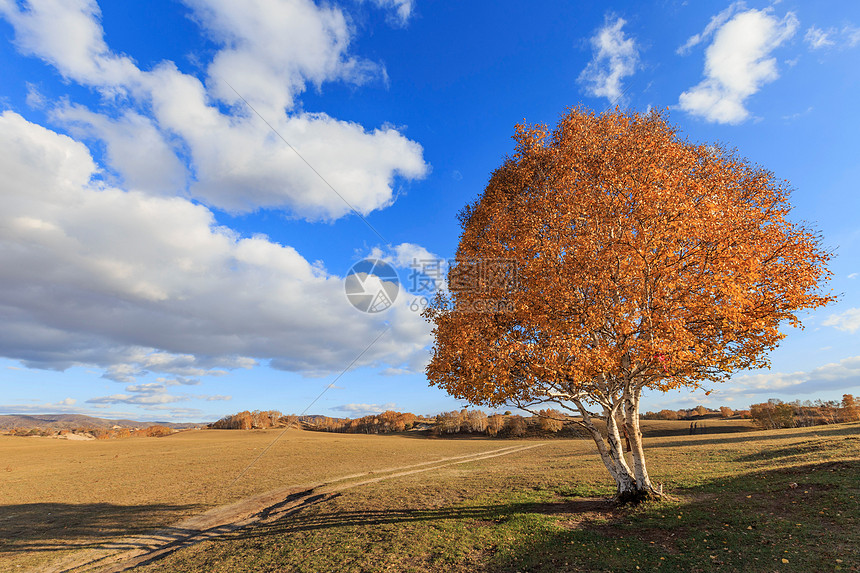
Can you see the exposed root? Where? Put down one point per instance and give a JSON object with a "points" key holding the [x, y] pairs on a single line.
{"points": [[641, 496]]}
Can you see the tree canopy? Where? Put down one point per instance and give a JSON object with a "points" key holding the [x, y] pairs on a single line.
{"points": [[609, 255]]}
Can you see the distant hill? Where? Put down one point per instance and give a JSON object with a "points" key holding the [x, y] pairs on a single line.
{"points": [[71, 421]]}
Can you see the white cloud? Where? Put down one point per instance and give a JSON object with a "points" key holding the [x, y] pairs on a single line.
{"points": [[715, 23], [401, 9], [426, 274], [853, 275], [835, 376], [66, 406], [178, 381], [151, 397], [158, 171], [140, 399], [848, 321], [137, 283], [852, 35], [272, 48], [615, 57], [242, 165], [365, 409], [150, 388], [410, 255], [797, 115], [68, 35], [269, 51], [847, 37], [818, 38], [738, 64]]}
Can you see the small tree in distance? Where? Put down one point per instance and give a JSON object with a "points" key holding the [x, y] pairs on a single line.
{"points": [[641, 261]]}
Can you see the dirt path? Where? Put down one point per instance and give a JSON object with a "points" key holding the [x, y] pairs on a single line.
{"points": [[127, 553]]}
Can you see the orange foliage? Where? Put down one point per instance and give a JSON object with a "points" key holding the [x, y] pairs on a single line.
{"points": [[639, 260]]}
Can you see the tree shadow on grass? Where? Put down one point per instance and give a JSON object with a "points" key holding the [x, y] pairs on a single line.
{"points": [[486, 514], [60, 526], [799, 518]]}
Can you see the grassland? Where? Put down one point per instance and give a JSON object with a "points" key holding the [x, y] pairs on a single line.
{"points": [[537, 509]]}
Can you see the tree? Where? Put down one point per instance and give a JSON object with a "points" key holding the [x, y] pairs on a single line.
{"points": [[850, 410], [550, 421], [515, 426], [476, 421], [726, 412], [448, 422], [495, 424], [630, 259], [773, 414], [667, 415]]}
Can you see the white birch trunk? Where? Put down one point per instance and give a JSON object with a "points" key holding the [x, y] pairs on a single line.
{"points": [[612, 456], [643, 481]]}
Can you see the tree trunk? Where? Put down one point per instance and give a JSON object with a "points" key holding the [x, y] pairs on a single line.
{"points": [[643, 482], [609, 448]]}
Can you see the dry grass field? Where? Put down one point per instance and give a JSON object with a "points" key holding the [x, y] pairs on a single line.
{"points": [[754, 501], [57, 496]]}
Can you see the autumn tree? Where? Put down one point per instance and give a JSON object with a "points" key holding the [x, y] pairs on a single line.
{"points": [[550, 421], [850, 409], [609, 255], [476, 421], [726, 412], [448, 422], [495, 424], [773, 414], [515, 426]]}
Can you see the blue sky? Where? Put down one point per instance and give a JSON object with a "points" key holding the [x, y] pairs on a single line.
{"points": [[165, 254]]}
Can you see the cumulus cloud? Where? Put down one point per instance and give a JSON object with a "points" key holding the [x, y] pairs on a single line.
{"points": [[835, 376], [737, 64], [269, 51], [848, 321], [137, 283], [615, 57], [68, 35], [272, 48], [365, 409], [158, 171]]}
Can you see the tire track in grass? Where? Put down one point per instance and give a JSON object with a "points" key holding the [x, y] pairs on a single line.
{"points": [[126, 553]]}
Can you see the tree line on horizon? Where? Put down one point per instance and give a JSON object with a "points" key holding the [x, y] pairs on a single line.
{"points": [[768, 415], [773, 414]]}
